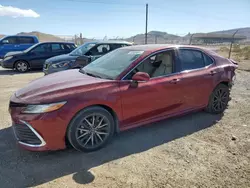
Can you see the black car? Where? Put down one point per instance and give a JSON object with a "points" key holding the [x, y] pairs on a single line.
{"points": [[82, 55], [35, 56]]}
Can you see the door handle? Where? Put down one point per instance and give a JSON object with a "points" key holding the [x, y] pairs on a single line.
{"points": [[212, 73], [174, 81]]}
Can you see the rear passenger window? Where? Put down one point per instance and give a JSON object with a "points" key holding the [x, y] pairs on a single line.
{"points": [[55, 47], [26, 40], [208, 60], [191, 59]]}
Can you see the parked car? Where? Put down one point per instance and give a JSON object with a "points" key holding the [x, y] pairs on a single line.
{"points": [[16, 43], [123, 89], [81, 56], [35, 56]]}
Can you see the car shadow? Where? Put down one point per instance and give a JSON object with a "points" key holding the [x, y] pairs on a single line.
{"points": [[13, 72], [20, 168]]}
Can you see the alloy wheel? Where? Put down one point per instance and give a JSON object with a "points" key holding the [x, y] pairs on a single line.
{"points": [[93, 130], [220, 99]]}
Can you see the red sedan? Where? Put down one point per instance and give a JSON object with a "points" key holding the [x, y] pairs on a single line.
{"points": [[126, 88]]}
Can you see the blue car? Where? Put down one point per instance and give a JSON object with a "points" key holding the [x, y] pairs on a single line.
{"points": [[16, 43]]}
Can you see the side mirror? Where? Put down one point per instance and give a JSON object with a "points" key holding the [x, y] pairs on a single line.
{"points": [[141, 77]]}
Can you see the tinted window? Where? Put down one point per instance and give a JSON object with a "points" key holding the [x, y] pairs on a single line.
{"points": [[68, 47], [26, 40], [56, 47], [115, 46], [208, 60], [10, 40], [100, 49], [191, 59], [158, 65], [42, 48]]}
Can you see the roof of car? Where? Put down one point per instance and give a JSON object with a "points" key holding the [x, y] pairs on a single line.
{"points": [[110, 42], [155, 47], [56, 43]]}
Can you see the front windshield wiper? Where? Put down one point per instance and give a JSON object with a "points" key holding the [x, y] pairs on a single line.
{"points": [[89, 74]]}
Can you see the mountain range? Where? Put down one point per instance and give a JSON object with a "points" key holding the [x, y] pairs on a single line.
{"points": [[153, 36]]}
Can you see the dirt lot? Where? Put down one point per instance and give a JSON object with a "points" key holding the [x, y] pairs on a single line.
{"points": [[196, 150]]}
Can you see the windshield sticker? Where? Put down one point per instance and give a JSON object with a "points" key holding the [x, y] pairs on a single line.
{"points": [[135, 52]]}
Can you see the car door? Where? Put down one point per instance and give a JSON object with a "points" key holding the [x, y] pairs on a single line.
{"points": [[25, 42], [9, 44], [158, 97], [197, 77], [39, 54]]}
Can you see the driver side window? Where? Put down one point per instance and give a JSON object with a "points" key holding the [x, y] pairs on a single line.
{"points": [[100, 50], [157, 65], [43, 48]]}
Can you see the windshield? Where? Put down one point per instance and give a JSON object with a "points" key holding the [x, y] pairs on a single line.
{"points": [[81, 50], [112, 64]]}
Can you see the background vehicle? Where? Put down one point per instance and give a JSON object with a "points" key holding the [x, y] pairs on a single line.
{"points": [[81, 56], [35, 56], [16, 43], [123, 89]]}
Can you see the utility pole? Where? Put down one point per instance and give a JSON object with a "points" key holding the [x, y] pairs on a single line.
{"points": [[229, 55], [146, 32]]}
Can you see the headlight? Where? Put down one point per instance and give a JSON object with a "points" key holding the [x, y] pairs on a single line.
{"points": [[62, 64], [8, 58], [43, 108]]}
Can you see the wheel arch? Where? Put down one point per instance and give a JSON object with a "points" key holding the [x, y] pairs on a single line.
{"points": [[14, 65], [106, 107]]}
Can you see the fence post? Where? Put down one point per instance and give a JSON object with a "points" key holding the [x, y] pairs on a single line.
{"points": [[190, 40], [229, 55]]}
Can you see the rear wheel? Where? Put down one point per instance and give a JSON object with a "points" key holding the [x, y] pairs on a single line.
{"points": [[22, 66], [91, 129], [218, 100]]}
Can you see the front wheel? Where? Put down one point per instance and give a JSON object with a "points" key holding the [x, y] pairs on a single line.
{"points": [[218, 100], [91, 129], [22, 66]]}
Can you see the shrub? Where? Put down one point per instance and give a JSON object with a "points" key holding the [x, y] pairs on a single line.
{"points": [[236, 48]]}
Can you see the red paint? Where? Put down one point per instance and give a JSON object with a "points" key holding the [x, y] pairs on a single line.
{"points": [[152, 100]]}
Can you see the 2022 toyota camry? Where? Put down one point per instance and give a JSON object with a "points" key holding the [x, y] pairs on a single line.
{"points": [[123, 89]]}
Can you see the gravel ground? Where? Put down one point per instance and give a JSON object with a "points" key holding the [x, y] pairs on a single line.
{"points": [[196, 150]]}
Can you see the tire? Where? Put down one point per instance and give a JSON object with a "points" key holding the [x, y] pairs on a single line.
{"points": [[83, 132], [21, 66], [218, 100]]}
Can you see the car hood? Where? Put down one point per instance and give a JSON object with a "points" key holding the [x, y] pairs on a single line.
{"points": [[14, 53], [57, 86], [60, 58]]}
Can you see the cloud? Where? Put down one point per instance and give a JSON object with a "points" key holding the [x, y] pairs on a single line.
{"points": [[17, 12]]}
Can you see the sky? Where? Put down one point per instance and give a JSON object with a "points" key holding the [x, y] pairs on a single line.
{"points": [[121, 18]]}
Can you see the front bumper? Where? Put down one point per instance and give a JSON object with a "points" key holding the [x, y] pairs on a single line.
{"points": [[7, 63], [39, 132]]}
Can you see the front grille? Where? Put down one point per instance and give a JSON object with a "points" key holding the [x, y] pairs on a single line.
{"points": [[25, 134], [13, 104]]}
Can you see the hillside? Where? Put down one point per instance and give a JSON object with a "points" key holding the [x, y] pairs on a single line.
{"points": [[242, 31], [153, 37], [43, 37]]}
